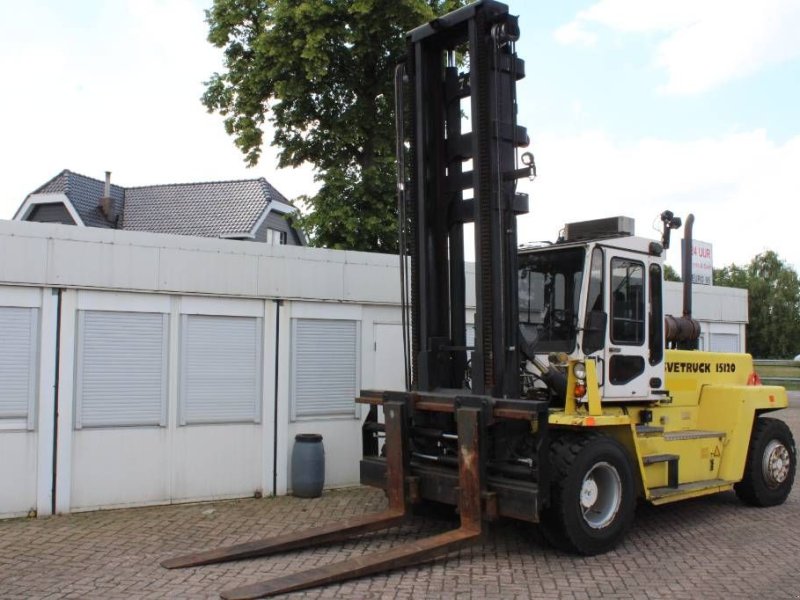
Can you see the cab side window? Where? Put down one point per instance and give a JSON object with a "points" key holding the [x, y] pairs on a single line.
{"points": [[627, 302], [594, 300], [656, 316]]}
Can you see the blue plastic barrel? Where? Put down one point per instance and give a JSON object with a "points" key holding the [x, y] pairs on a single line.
{"points": [[308, 465]]}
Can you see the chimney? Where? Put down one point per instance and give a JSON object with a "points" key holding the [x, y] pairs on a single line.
{"points": [[106, 203]]}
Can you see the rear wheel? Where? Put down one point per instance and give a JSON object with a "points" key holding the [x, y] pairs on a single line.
{"points": [[593, 500], [771, 464]]}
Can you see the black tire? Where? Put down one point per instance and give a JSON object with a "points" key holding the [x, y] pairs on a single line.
{"points": [[771, 464], [597, 467]]}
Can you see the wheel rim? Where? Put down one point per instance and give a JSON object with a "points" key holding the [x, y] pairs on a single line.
{"points": [[776, 463], [601, 495]]}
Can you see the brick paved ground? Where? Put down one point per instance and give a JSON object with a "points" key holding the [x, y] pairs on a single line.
{"points": [[707, 548]]}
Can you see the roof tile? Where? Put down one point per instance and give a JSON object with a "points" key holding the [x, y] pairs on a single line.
{"points": [[212, 209]]}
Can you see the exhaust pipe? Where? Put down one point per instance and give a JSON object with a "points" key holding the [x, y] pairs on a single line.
{"points": [[683, 333], [686, 270]]}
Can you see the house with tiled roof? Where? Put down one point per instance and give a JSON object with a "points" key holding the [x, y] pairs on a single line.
{"points": [[249, 209]]}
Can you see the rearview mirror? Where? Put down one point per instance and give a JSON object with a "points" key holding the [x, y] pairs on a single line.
{"points": [[594, 331]]}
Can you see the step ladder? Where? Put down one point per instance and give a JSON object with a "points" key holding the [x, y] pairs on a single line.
{"points": [[674, 487]]}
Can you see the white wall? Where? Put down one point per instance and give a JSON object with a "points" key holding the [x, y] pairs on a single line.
{"points": [[118, 466], [342, 434], [721, 311], [129, 271], [91, 258], [174, 275], [26, 444], [18, 472]]}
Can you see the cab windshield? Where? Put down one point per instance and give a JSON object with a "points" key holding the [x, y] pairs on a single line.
{"points": [[549, 286]]}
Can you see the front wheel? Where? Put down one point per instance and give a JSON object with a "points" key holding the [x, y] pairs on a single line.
{"points": [[593, 499], [771, 464]]}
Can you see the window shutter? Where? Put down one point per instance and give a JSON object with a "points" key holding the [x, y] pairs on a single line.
{"points": [[325, 359], [18, 351], [220, 369], [724, 342], [122, 369]]}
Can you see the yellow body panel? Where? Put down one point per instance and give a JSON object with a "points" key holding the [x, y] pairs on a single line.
{"points": [[699, 458], [705, 491], [582, 418], [731, 408], [706, 421], [686, 371]]}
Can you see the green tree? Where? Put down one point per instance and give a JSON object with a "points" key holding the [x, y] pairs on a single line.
{"points": [[732, 276], [670, 274], [321, 73], [774, 301]]}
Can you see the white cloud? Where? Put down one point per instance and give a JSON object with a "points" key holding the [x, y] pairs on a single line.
{"points": [[705, 44], [742, 188], [142, 119], [574, 33], [638, 16], [118, 89]]}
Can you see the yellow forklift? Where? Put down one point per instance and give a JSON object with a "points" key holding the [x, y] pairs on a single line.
{"points": [[578, 397]]}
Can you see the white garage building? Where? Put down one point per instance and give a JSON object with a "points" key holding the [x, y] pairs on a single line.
{"points": [[141, 368]]}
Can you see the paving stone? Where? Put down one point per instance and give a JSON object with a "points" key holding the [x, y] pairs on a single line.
{"points": [[709, 548]]}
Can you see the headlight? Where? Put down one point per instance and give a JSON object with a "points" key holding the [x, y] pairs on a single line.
{"points": [[579, 370]]}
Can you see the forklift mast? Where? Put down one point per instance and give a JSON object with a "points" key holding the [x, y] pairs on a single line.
{"points": [[453, 438], [445, 135]]}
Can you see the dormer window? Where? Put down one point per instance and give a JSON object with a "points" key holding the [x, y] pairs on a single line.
{"points": [[275, 237]]}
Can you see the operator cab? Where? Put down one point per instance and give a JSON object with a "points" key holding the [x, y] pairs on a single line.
{"points": [[597, 293]]}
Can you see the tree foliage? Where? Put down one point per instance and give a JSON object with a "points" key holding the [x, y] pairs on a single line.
{"points": [[670, 274], [321, 73], [774, 300]]}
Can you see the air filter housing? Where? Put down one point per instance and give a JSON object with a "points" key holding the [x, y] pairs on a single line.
{"points": [[598, 228]]}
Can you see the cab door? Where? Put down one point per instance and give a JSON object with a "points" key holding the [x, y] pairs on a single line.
{"points": [[630, 369]]}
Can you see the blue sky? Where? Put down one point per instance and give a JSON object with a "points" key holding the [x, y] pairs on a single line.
{"points": [[633, 106], [618, 84]]}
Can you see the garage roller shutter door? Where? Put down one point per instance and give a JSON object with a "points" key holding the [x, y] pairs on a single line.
{"points": [[122, 369], [724, 342], [18, 349], [220, 369], [325, 373]]}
